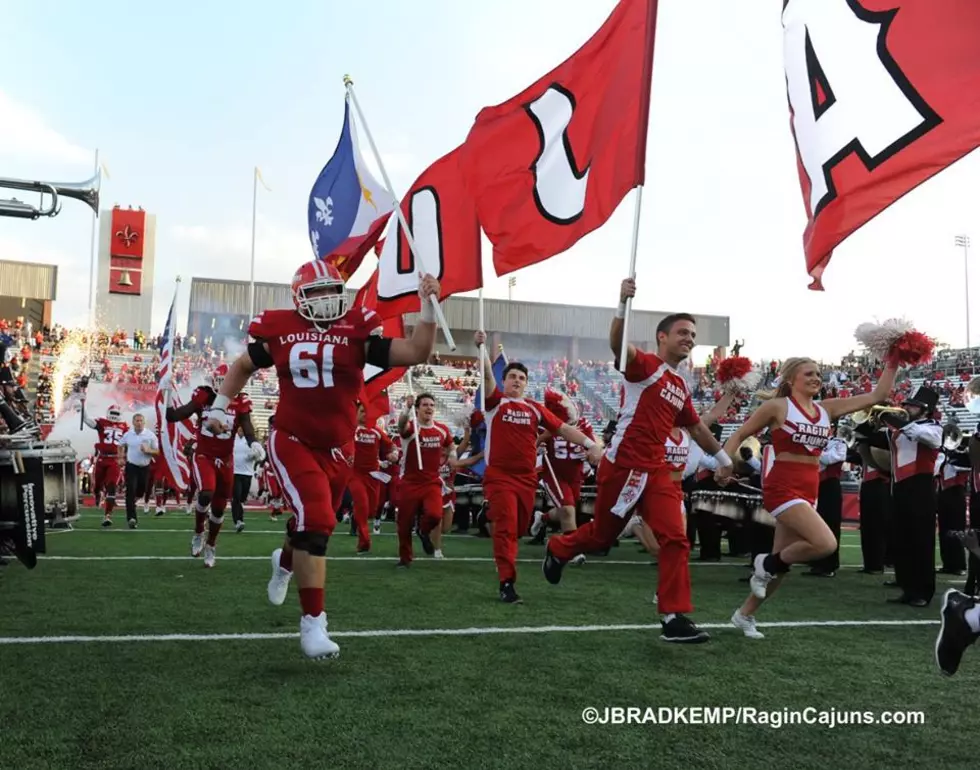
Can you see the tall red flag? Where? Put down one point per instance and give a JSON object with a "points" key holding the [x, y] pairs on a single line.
{"points": [[883, 94], [442, 218], [552, 164]]}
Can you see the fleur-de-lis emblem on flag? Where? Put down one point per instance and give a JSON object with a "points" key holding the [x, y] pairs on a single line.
{"points": [[324, 213]]}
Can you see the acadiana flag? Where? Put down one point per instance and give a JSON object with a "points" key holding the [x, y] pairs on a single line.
{"points": [[348, 207]]}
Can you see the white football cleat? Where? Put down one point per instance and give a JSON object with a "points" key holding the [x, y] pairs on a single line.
{"points": [[746, 624], [279, 582], [538, 524], [313, 638], [239, 526], [760, 578], [438, 554], [208, 556], [197, 543], [577, 561]]}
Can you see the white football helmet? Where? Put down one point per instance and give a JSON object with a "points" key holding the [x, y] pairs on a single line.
{"points": [[114, 413]]}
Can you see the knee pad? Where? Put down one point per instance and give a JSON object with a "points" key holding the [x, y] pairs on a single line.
{"points": [[314, 543], [204, 499]]}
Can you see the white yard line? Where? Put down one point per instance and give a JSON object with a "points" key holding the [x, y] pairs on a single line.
{"points": [[485, 631]]}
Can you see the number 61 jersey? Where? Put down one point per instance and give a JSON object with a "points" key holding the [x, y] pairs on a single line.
{"points": [[321, 372]]}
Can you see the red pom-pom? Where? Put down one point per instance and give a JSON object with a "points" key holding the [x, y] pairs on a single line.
{"points": [[733, 368], [911, 349]]}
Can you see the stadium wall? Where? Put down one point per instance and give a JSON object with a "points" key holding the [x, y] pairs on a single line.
{"points": [[28, 290], [220, 309]]}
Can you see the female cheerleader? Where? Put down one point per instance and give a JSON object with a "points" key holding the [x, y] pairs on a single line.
{"points": [[800, 428]]}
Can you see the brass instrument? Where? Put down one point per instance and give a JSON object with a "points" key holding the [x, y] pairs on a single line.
{"points": [[878, 416], [847, 434], [954, 440], [87, 192], [750, 449]]}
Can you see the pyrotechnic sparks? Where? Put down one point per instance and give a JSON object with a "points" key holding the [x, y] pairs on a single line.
{"points": [[68, 366]]}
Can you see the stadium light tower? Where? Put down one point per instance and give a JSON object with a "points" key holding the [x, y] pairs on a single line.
{"points": [[963, 241]]}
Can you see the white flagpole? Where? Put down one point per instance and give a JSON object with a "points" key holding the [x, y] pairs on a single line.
{"points": [[415, 421], [91, 259], [629, 302], [91, 283], [483, 361], [398, 212], [168, 394], [251, 280]]}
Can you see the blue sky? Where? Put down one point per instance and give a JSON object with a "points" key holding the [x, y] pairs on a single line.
{"points": [[183, 99]]}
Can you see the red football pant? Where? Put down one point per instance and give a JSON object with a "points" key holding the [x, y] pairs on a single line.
{"points": [[422, 499], [511, 501], [312, 480], [107, 477], [660, 505], [364, 493], [217, 476]]}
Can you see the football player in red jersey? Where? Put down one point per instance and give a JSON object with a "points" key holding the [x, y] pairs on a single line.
{"points": [[634, 473], [108, 470], [511, 478], [213, 466], [420, 488], [319, 350], [370, 443], [563, 472]]}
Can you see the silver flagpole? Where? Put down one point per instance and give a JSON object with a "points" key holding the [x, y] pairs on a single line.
{"points": [[440, 318], [483, 362], [629, 302], [251, 280]]}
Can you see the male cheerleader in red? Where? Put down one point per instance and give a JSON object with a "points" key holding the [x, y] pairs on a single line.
{"points": [[634, 473], [370, 443], [511, 478], [319, 350], [214, 457], [108, 471], [563, 470], [420, 488]]}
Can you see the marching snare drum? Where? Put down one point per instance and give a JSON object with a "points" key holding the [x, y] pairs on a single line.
{"points": [[735, 502]]}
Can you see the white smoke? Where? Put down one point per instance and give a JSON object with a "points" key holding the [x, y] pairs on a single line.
{"points": [[233, 349], [100, 396]]}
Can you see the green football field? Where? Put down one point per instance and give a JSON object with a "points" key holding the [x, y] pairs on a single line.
{"points": [[121, 651]]}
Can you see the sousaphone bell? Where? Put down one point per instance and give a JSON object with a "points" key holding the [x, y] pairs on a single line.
{"points": [[87, 192]]}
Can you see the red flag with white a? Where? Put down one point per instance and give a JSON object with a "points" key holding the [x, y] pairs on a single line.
{"points": [[883, 95], [552, 164], [442, 220]]}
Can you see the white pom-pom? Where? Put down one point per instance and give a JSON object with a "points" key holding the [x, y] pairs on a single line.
{"points": [[879, 338], [742, 385]]}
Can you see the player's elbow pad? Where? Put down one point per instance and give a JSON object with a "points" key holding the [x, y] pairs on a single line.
{"points": [[378, 352], [259, 355]]}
